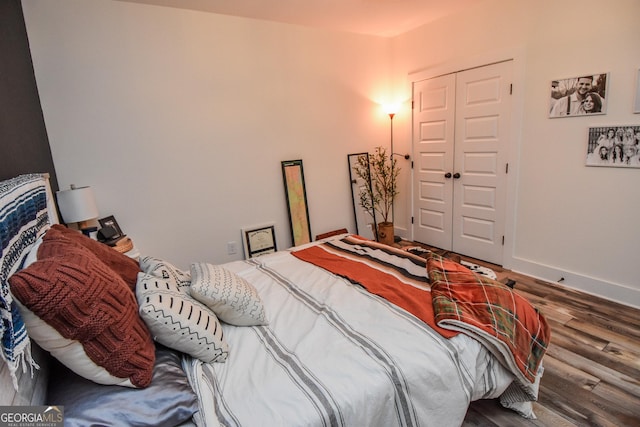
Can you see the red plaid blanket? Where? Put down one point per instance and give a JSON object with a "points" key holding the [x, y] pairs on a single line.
{"points": [[505, 322]]}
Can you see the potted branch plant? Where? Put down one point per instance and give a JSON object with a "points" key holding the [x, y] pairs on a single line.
{"points": [[380, 175]]}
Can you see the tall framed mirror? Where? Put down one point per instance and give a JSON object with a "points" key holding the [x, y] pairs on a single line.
{"points": [[365, 223], [296, 194]]}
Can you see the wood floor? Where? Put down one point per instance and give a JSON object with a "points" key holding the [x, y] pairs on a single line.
{"points": [[592, 367]]}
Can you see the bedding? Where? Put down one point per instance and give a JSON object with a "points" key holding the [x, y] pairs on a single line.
{"points": [[27, 213], [396, 275], [168, 401], [160, 268], [123, 266], [179, 321], [492, 313], [360, 340], [233, 299], [68, 297], [24, 216], [334, 353]]}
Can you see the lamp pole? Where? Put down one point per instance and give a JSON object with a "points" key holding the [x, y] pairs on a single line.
{"points": [[391, 118], [393, 188]]}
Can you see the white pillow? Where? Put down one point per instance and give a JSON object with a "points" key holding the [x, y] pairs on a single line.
{"points": [[165, 270], [70, 353], [233, 299], [178, 321]]}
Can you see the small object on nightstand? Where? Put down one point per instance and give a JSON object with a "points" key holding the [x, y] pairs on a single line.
{"points": [[90, 231], [123, 245], [109, 236]]}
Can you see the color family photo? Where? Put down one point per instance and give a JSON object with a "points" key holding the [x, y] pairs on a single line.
{"points": [[579, 96], [616, 146]]}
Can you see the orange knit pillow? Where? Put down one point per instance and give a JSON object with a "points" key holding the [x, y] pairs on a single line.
{"points": [[85, 301], [126, 267]]}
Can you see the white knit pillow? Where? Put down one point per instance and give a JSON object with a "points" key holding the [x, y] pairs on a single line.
{"points": [[233, 299], [165, 270], [178, 321]]}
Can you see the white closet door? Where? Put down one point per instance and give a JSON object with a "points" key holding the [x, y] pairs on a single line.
{"points": [[461, 130], [483, 107], [433, 130]]}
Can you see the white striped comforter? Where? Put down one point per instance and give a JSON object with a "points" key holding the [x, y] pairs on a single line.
{"points": [[335, 355]]}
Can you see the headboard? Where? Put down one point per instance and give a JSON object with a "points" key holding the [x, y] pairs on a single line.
{"points": [[25, 144], [27, 209]]}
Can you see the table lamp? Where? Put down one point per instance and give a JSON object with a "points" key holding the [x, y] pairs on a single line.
{"points": [[78, 205]]}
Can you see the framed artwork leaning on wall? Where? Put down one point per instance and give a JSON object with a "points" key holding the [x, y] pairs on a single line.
{"points": [[259, 240], [296, 195]]}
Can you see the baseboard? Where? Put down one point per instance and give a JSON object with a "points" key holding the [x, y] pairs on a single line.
{"points": [[615, 292], [401, 232]]}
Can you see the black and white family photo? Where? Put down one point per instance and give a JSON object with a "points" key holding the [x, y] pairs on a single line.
{"points": [[579, 96], [616, 146]]}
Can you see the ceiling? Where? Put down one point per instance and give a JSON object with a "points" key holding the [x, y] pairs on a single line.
{"points": [[384, 18]]}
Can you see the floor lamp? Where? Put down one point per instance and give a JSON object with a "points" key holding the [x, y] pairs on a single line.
{"points": [[393, 212], [391, 112], [391, 115]]}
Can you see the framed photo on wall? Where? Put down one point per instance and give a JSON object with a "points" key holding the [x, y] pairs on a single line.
{"points": [[614, 146], [296, 196], [579, 96], [259, 240]]}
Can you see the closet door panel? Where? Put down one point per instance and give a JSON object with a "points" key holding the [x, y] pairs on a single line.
{"points": [[434, 113], [483, 104]]}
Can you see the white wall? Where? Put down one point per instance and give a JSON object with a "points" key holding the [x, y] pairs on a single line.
{"points": [[570, 221], [179, 119]]}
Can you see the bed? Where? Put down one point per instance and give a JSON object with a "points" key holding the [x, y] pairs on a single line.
{"points": [[342, 331]]}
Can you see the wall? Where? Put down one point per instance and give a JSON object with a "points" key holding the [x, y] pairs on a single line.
{"points": [[568, 221], [24, 147], [179, 119]]}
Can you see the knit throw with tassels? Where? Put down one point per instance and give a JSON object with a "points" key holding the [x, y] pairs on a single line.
{"points": [[23, 219]]}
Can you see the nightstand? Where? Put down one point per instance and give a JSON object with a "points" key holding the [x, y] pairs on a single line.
{"points": [[125, 246], [133, 253]]}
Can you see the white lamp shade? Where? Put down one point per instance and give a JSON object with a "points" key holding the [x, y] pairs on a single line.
{"points": [[77, 204]]}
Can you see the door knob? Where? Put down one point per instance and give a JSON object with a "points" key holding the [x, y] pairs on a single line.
{"points": [[447, 175], [456, 175]]}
